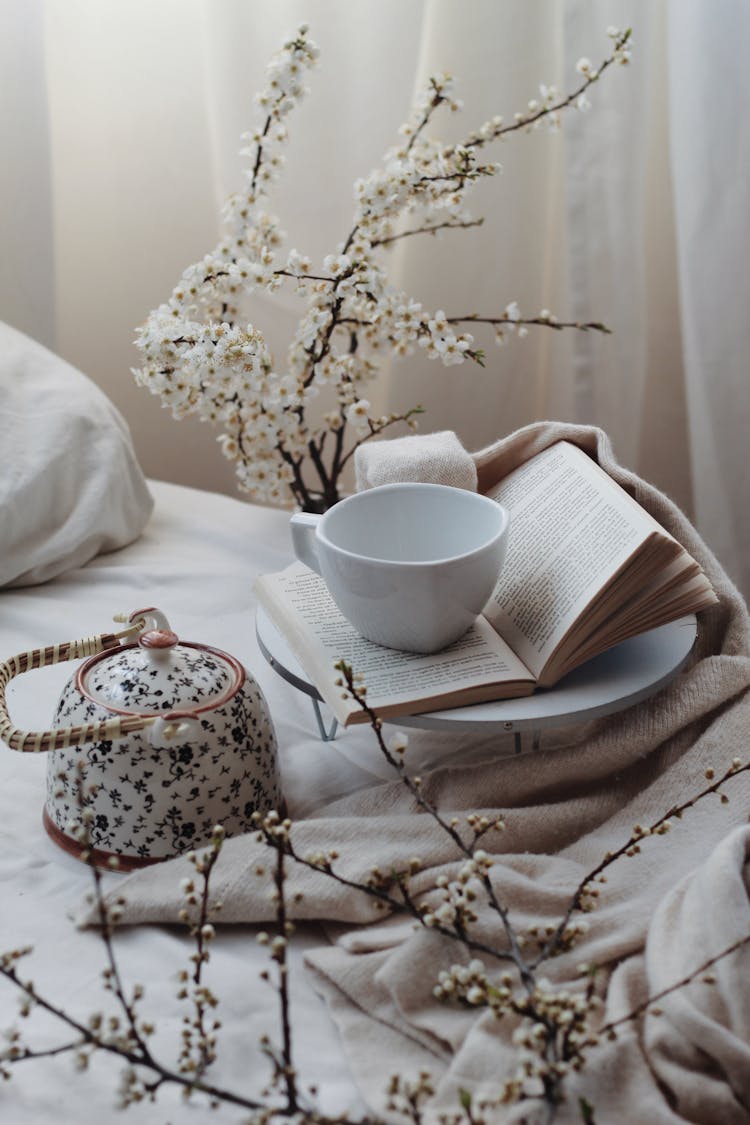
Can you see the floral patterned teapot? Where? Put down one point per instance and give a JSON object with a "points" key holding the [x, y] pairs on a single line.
{"points": [[158, 740]]}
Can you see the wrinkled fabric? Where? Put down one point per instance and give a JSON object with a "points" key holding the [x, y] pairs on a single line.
{"points": [[71, 486], [661, 914]]}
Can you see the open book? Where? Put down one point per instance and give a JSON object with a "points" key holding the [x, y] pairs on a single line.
{"points": [[586, 568]]}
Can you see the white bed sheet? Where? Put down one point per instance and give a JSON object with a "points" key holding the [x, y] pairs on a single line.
{"points": [[197, 561]]}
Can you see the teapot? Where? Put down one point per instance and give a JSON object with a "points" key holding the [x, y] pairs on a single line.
{"points": [[156, 741]]}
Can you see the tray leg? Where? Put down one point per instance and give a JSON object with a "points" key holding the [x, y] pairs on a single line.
{"points": [[536, 740], [326, 735]]}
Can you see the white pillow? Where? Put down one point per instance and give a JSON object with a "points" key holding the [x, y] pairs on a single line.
{"points": [[70, 484]]}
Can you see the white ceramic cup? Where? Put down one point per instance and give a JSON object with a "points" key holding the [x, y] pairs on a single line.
{"points": [[409, 565]]}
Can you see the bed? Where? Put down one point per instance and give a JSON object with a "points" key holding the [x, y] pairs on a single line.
{"points": [[197, 558], [195, 555]]}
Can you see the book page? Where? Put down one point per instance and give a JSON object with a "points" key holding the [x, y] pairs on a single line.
{"points": [[571, 529], [299, 603]]}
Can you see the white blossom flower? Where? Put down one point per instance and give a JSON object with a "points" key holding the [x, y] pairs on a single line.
{"points": [[358, 415], [337, 264], [229, 446], [202, 357], [398, 742], [450, 349]]}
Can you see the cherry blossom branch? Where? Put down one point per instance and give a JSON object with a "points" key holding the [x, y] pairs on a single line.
{"points": [[284, 930], [414, 786], [299, 489], [26, 1053], [620, 54], [586, 893], [91, 1038], [199, 1041], [377, 428], [203, 358], [108, 916], [259, 154], [329, 490], [305, 276], [430, 228], [554, 1026], [559, 1030], [318, 351], [284, 1070], [377, 887], [545, 321], [103, 1035], [648, 1005], [437, 99]]}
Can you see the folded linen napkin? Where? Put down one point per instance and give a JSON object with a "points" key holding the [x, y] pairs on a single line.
{"points": [[435, 458], [661, 913]]}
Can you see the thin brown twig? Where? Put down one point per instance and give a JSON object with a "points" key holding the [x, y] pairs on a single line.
{"points": [[377, 428], [526, 121], [200, 999], [112, 972], [283, 929], [397, 905], [132, 1056], [26, 1053], [429, 229], [303, 276], [466, 849], [632, 846], [437, 99], [542, 321], [682, 983]]}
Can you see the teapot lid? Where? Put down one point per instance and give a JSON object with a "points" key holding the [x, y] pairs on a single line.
{"points": [[159, 673]]}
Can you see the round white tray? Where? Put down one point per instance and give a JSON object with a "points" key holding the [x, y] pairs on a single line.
{"points": [[618, 678]]}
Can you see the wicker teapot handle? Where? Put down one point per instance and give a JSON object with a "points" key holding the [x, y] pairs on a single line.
{"points": [[35, 741]]}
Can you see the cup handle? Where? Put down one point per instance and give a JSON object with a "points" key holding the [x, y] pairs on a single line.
{"points": [[303, 527]]}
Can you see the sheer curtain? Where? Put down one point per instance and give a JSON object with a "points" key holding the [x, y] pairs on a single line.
{"points": [[120, 128], [26, 232], [709, 87]]}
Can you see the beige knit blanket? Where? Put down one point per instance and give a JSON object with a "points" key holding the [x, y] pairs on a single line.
{"points": [[662, 913]]}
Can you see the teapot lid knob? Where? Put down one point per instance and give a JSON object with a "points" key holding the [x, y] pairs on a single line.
{"points": [[158, 639]]}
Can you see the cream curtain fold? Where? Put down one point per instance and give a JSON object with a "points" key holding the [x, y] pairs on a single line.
{"points": [[120, 127], [580, 223], [26, 231], [709, 91]]}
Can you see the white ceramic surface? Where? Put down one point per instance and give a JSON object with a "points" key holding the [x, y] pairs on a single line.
{"points": [[209, 758], [409, 565]]}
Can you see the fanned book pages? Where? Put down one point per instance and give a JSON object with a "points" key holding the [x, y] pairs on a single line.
{"points": [[586, 568]]}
